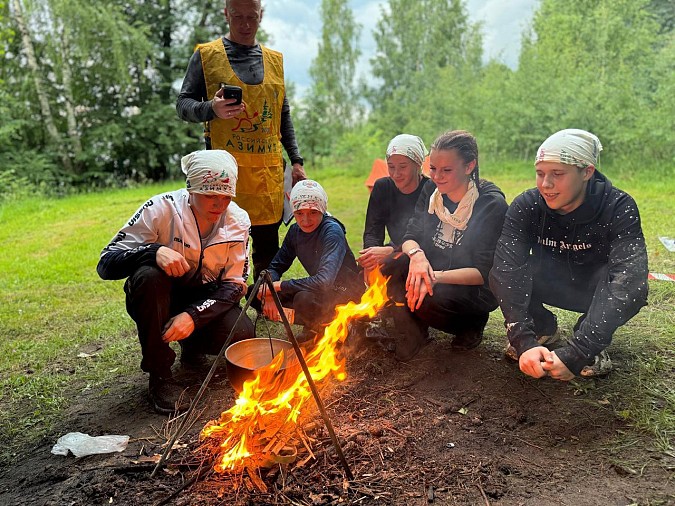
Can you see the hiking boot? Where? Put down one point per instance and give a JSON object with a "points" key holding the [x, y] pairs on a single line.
{"points": [[549, 341], [601, 367], [166, 395], [467, 340], [194, 362], [409, 345]]}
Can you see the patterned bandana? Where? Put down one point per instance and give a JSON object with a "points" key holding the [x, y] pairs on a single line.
{"points": [[212, 171], [407, 145], [308, 194], [571, 147]]}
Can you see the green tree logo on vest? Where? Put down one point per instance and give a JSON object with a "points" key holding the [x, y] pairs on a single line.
{"points": [[246, 124]]}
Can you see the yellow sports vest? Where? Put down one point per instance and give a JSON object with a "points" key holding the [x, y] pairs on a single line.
{"points": [[252, 137]]}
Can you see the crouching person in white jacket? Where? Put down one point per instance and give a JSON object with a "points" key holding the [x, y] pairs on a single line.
{"points": [[185, 257]]}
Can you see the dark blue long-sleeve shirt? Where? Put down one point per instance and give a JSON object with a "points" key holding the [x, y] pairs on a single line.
{"points": [[325, 255]]}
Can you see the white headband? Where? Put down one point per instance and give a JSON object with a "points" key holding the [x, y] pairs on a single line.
{"points": [[212, 171], [308, 194], [572, 147], [408, 145]]}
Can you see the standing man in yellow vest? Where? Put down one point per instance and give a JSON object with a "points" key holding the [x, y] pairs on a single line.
{"points": [[252, 131]]}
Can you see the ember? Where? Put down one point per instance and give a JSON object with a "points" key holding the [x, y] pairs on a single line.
{"points": [[255, 431]]}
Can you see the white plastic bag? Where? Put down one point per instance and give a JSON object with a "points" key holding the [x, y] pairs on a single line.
{"points": [[83, 444], [668, 242]]}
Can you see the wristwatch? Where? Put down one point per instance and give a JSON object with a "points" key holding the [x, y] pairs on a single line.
{"points": [[414, 251]]}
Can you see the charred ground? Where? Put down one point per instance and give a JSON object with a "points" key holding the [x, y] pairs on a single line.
{"points": [[447, 428]]}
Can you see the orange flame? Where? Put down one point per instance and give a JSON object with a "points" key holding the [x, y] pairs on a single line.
{"points": [[275, 399]]}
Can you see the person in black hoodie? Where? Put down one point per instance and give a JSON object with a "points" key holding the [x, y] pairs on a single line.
{"points": [[440, 280], [318, 240], [575, 242]]}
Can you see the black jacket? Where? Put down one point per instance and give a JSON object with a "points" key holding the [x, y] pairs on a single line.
{"points": [[473, 247], [390, 209], [596, 253]]}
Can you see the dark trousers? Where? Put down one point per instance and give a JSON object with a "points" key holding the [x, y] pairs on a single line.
{"points": [[265, 245], [312, 309], [568, 295], [152, 298], [454, 309]]}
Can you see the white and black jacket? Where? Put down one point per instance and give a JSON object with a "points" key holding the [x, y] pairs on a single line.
{"points": [[218, 263]]}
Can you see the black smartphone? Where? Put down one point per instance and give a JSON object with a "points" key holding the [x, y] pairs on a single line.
{"points": [[230, 91]]}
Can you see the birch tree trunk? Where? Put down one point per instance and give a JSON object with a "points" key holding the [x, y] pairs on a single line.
{"points": [[66, 73], [34, 68]]}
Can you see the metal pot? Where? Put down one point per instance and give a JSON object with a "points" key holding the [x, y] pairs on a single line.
{"points": [[244, 357]]}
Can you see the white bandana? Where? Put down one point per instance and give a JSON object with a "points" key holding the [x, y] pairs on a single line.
{"points": [[571, 147], [460, 218], [308, 194], [407, 145], [212, 171]]}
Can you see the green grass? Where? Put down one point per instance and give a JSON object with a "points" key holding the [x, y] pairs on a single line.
{"points": [[53, 306]]}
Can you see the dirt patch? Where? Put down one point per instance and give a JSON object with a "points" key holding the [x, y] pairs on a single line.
{"points": [[448, 428]]}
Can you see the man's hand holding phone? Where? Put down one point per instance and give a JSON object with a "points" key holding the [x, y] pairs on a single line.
{"points": [[227, 102]]}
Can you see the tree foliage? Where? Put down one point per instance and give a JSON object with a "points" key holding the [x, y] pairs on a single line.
{"points": [[97, 107], [423, 48], [588, 65], [332, 106], [93, 69]]}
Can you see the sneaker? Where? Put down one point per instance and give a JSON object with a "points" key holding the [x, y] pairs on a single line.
{"points": [[601, 367], [467, 340], [550, 341], [166, 395]]}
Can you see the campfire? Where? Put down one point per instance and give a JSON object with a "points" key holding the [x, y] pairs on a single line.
{"points": [[262, 428]]}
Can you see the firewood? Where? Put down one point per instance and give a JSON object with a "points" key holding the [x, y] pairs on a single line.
{"points": [[257, 481]]}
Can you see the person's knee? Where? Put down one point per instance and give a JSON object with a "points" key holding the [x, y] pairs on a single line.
{"points": [[212, 338], [244, 329], [240, 327], [148, 295], [396, 266], [306, 302], [148, 278]]}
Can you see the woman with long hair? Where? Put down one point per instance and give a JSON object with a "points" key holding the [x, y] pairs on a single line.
{"points": [[441, 279]]}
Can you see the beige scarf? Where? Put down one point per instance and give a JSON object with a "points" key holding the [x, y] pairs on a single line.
{"points": [[460, 218]]}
